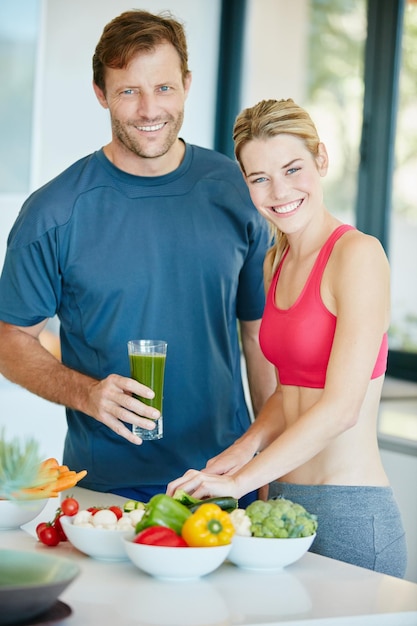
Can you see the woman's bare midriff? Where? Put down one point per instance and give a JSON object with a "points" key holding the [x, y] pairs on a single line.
{"points": [[353, 458]]}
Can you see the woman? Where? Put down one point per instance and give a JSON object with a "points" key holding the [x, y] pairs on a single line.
{"points": [[325, 329]]}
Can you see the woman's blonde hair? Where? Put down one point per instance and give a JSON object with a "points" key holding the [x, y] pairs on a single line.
{"points": [[267, 119]]}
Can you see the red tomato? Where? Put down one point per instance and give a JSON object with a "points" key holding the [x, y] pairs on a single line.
{"points": [[69, 506], [58, 526], [117, 511], [160, 536], [94, 509], [49, 536], [40, 527]]}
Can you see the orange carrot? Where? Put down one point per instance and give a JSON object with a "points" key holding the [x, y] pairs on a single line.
{"points": [[49, 464], [32, 493], [68, 480], [51, 479]]}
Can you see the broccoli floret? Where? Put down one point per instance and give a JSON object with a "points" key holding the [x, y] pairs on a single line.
{"points": [[258, 510], [280, 518]]}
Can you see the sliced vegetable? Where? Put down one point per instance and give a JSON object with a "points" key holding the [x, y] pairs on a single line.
{"points": [[185, 498], [208, 526], [24, 476], [163, 510], [160, 536], [52, 479], [226, 503], [132, 505]]}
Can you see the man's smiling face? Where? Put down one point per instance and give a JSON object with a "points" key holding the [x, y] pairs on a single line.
{"points": [[146, 103]]}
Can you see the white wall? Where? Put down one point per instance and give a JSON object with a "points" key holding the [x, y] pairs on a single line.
{"points": [[271, 28]]}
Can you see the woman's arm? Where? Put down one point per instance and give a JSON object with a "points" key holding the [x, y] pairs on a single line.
{"points": [[266, 428]]}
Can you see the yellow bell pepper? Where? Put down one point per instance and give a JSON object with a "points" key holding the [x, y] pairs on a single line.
{"points": [[208, 526]]}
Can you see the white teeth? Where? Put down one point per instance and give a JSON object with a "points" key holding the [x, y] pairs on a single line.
{"points": [[149, 129], [287, 208]]}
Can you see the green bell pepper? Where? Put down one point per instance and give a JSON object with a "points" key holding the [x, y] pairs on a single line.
{"points": [[163, 510]]}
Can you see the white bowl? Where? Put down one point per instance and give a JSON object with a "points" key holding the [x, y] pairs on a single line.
{"points": [[30, 584], [15, 513], [176, 563], [268, 554], [99, 543]]}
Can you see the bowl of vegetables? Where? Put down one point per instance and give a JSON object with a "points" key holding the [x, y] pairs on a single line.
{"points": [[271, 535], [176, 563], [99, 531], [181, 539], [27, 482]]}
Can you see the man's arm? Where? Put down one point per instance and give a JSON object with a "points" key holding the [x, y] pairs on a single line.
{"points": [[261, 373], [24, 361]]}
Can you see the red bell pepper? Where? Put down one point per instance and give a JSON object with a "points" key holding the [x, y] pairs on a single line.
{"points": [[160, 536]]}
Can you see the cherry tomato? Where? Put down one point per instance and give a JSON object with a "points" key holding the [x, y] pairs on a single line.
{"points": [[58, 526], [94, 509], [117, 511], [40, 527], [49, 536], [69, 506]]}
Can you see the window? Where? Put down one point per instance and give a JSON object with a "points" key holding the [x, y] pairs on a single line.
{"points": [[313, 52], [339, 59], [403, 231]]}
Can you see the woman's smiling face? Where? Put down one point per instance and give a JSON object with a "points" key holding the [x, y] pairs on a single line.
{"points": [[283, 179]]}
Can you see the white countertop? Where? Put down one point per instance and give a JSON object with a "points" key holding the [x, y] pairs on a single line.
{"points": [[314, 591]]}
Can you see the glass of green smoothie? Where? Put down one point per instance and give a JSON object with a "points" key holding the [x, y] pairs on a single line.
{"points": [[147, 365]]}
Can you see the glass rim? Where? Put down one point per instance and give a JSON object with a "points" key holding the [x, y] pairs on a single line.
{"points": [[147, 342], [147, 346]]}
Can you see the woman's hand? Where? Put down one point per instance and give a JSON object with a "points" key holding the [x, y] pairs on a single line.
{"points": [[230, 460], [202, 484]]}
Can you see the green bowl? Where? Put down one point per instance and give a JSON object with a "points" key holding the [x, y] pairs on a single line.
{"points": [[30, 583]]}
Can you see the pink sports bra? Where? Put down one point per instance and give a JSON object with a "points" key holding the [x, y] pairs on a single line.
{"points": [[298, 340]]}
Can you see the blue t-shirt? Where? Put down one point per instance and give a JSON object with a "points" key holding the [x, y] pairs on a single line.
{"points": [[117, 257]]}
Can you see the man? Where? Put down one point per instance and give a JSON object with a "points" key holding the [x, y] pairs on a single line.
{"points": [[148, 237]]}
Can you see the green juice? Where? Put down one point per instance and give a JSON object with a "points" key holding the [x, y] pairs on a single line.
{"points": [[149, 370]]}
